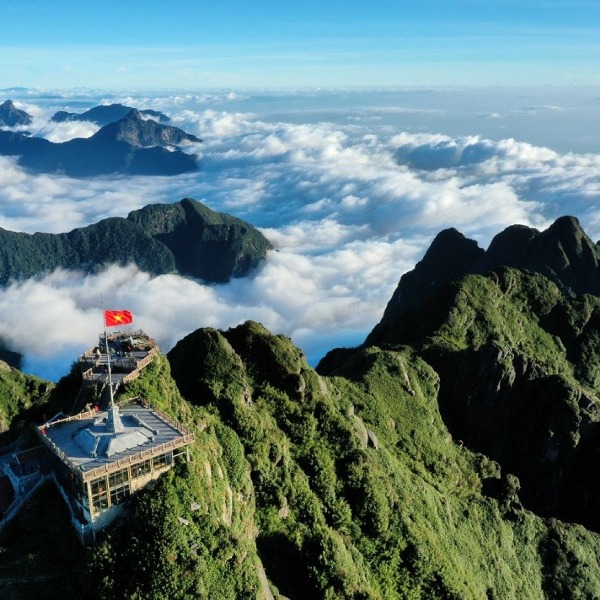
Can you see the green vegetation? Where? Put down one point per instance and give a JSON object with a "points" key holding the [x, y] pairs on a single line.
{"points": [[185, 237], [20, 395], [518, 365], [359, 488], [351, 482]]}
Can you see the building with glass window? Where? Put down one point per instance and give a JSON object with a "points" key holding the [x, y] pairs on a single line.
{"points": [[101, 458]]}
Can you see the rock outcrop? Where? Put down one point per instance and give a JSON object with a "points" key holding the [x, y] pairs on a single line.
{"points": [[11, 116]]}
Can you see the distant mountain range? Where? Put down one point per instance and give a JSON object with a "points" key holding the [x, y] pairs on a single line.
{"points": [[185, 237], [131, 145], [105, 114]]}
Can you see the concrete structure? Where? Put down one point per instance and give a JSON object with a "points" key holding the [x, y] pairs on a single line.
{"points": [[102, 457]]}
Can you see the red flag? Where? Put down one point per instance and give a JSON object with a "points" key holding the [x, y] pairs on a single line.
{"points": [[113, 318]]}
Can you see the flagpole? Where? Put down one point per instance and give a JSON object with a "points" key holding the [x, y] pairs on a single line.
{"points": [[112, 402]]}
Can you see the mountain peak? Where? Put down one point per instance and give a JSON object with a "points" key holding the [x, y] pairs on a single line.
{"points": [[10, 115], [569, 220], [450, 256], [566, 227], [138, 131], [134, 113]]}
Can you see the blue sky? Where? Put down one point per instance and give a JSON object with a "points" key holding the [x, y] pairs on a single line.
{"points": [[187, 44]]}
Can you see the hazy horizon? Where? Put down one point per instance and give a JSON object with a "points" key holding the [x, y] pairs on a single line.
{"points": [[192, 45]]}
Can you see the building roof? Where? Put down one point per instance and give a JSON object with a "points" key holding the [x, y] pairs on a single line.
{"points": [[93, 443]]}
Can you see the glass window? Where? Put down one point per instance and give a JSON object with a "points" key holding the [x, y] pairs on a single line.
{"points": [[118, 478], [98, 485], [119, 494], [160, 461], [141, 469], [99, 500]]}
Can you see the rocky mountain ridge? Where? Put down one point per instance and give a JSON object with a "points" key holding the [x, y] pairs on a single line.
{"points": [[563, 253], [185, 237], [132, 145], [106, 113]]}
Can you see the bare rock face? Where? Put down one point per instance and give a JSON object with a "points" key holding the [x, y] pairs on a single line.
{"points": [[10, 115], [138, 131]]}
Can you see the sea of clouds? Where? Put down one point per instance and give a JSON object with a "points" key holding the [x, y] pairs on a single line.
{"points": [[350, 188]]}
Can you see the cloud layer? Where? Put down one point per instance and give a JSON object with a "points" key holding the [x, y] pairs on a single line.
{"points": [[350, 206]]}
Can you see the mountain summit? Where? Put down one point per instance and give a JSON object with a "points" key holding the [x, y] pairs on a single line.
{"points": [[563, 253], [136, 130], [10, 115]]}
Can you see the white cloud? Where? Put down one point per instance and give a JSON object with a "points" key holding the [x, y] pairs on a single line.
{"points": [[350, 207], [63, 132]]}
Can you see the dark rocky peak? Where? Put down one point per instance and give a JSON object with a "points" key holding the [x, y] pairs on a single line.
{"points": [[138, 131], [450, 251], [10, 115], [450, 256], [567, 233], [508, 248], [103, 115], [568, 256], [206, 244], [563, 253]]}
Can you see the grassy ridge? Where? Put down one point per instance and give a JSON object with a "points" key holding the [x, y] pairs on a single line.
{"points": [[357, 488], [185, 237], [341, 486]]}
